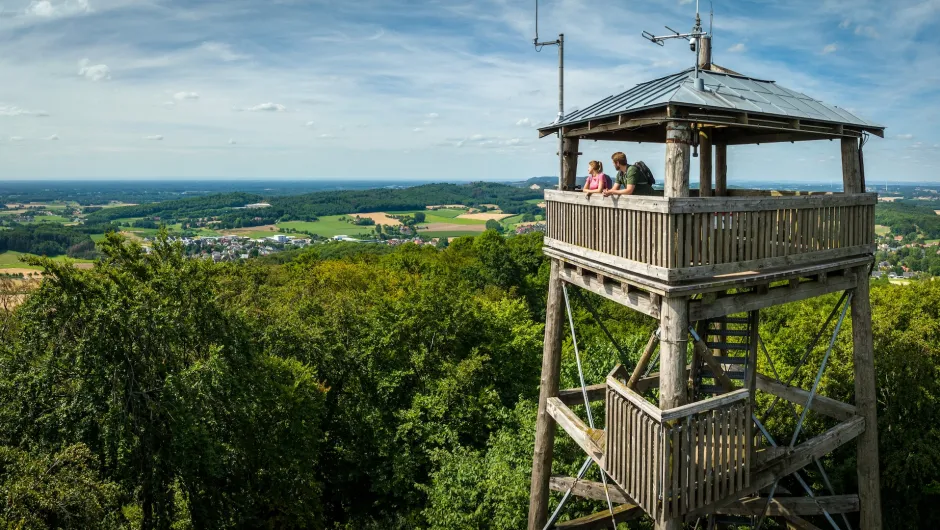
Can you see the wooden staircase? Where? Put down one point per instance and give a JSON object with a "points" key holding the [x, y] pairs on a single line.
{"points": [[728, 338]]}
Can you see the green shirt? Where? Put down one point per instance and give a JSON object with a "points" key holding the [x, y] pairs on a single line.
{"points": [[632, 176]]}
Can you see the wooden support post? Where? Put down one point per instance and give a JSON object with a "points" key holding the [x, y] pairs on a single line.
{"points": [[705, 162], [644, 361], [705, 53], [721, 170], [678, 139], [545, 425], [750, 382], [869, 484], [851, 168], [571, 162], [673, 351]]}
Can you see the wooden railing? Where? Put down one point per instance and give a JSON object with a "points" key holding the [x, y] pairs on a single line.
{"points": [[675, 461], [679, 239]]}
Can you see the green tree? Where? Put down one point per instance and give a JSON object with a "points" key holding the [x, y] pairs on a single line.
{"points": [[494, 225]]}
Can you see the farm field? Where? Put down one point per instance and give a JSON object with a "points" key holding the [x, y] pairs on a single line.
{"points": [[882, 230], [11, 260], [328, 226]]}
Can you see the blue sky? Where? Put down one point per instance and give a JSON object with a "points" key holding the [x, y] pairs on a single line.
{"points": [[426, 90]]}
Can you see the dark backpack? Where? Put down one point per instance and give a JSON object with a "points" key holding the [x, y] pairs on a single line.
{"points": [[608, 183], [645, 171]]}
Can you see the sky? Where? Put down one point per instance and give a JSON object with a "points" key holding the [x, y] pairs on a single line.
{"points": [[428, 90]]}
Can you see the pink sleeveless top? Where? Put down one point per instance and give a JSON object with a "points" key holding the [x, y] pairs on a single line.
{"points": [[595, 183]]}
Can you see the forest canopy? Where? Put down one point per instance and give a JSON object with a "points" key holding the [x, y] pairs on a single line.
{"points": [[362, 387]]}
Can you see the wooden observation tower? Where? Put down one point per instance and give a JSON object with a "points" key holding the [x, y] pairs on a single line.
{"points": [[704, 263]]}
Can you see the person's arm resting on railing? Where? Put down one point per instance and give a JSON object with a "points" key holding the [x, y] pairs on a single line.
{"points": [[626, 183]]}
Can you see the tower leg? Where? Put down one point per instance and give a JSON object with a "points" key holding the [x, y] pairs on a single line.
{"points": [[673, 355], [545, 426], [869, 484]]}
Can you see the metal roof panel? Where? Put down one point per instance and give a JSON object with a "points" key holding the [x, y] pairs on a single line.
{"points": [[723, 91]]}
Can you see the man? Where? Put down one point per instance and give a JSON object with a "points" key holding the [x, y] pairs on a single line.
{"points": [[629, 180]]}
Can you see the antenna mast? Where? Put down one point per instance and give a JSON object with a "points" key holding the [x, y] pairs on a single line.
{"points": [[560, 42], [695, 40]]}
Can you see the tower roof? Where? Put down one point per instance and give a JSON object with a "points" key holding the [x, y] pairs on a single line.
{"points": [[724, 92]]}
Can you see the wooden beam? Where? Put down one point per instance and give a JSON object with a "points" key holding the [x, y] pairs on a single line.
{"points": [[721, 169], [802, 456], [821, 404], [590, 440], [779, 506], [570, 160], [739, 303], [573, 396], [636, 300], [602, 519], [545, 425], [618, 123], [590, 490], [866, 395], [718, 373], [644, 361], [851, 168], [678, 140], [705, 161]]}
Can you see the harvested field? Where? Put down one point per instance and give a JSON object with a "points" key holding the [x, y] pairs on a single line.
{"points": [[936, 212], [380, 218], [446, 207], [451, 227], [249, 229], [541, 205], [20, 270], [484, 216]]}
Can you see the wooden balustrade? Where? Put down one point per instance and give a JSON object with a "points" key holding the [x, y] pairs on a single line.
{"points": [[676, 239], [675, 461]]}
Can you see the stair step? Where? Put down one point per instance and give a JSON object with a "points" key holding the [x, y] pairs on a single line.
{"points": [[711, 389], [706, 373], [731, 320], [728, 345], [730, 360], [730, 332]]}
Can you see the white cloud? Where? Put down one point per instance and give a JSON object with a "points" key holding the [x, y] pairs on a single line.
{"points": [[309, 124], [684, 2], [156, 137], [96, 72], [829, 48], [266, 107], [845, 24], [48, 9], [222, 51], [180, 96], [417, 129], [904, 136], [52, 137], [231, 141], [326, 135], [433, 116], [18, 111], [525, 122], [738, 48], [16, 138]]}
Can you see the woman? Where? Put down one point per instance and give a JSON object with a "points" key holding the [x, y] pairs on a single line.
{"points": [[597, 181]]}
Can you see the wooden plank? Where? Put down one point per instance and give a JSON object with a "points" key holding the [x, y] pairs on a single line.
{"points": [[636, 300], [778, 295], [635, 399], [866, 395], [590, 490], [834, 504], [851, 167], [717, 371], [584, 436], [821, 404], [573, 396], [545, 425], [602, 519], [802, 455]]}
